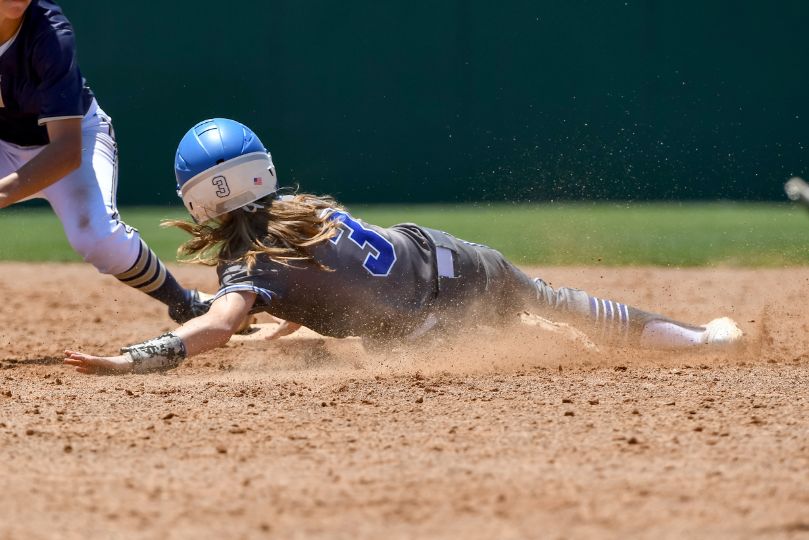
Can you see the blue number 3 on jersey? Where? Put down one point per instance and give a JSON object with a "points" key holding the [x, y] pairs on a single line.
{"points": [[382, 256]]}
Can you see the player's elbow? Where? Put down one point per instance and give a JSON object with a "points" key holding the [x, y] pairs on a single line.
{"points": [[218, 329], [205, 337], [68, 151], [71, 156], [220, 337], [65, 145], [67, 155], [74, 162], [233, 326]]}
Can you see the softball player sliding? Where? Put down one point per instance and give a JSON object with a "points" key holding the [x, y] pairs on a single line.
{"points": [[57, 144], [306, 260]]}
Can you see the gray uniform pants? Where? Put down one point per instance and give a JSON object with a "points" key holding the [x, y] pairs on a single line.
{"points": [[482, 285]]}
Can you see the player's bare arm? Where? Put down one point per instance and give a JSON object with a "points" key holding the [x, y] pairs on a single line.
{"points": [[197, 336], [284, 328], [57, 159]]}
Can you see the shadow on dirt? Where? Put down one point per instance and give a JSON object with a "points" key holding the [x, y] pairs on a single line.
{"points": [[11, 363], [293, 354]]}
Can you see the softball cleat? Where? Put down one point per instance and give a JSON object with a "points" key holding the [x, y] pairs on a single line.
{"points": [[196, 304], [722, 332]]}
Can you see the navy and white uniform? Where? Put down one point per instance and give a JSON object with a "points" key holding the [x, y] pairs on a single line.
{"points": [[407, 281], [40, 82]]}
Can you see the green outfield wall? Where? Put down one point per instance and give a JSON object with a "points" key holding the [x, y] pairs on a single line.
{"points": [[457, 100]]}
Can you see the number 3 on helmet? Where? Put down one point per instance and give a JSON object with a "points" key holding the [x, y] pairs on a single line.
{"points": [[220, 166]]}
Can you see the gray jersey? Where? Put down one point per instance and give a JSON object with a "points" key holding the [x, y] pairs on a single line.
{"points": [[380, 284]]}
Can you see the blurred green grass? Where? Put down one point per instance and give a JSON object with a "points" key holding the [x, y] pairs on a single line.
{"points": [[612, 234]]}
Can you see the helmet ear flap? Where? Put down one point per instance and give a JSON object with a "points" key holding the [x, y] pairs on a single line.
{"points": [[229, 185]]}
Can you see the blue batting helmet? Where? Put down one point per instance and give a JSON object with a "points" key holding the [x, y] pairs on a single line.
{"points": [[220, 166]]}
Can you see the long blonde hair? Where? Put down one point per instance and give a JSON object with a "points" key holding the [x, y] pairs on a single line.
{"points": [[284, 229]]}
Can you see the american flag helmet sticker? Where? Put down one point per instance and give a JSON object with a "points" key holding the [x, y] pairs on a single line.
{"points": [[257, 181]]}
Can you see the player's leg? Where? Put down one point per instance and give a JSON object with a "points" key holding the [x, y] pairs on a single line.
{"points": [[85, 203], [614, 321], [508, 287]]}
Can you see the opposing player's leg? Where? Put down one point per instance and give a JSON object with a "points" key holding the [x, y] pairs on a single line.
{"points": [[85, 203]]}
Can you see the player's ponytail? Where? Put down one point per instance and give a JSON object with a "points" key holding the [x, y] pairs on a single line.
{"points": [[283, 229]]}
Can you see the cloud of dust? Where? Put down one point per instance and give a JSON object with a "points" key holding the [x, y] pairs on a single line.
{"points": [[478, 349]]}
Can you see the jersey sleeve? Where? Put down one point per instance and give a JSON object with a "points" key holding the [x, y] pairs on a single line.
{"points": [[60, 87], [237, 277]]}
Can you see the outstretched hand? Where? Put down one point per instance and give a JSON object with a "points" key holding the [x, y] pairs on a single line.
{"points": [[89, 364], [284, 329]]}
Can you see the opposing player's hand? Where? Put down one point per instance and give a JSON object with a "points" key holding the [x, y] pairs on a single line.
{"points": [[283, 329], [87, 363]]}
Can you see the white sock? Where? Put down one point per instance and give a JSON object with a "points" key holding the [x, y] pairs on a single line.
{"points": [[669, 335]]}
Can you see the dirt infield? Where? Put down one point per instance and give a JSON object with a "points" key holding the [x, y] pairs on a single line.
{"points": [[517, 436]]}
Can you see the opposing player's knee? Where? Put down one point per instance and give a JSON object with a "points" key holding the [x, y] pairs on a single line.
{"points": [[107, 246]]}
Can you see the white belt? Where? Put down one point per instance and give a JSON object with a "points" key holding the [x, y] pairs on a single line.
{"points": [[446, 268], [443, 257]]}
